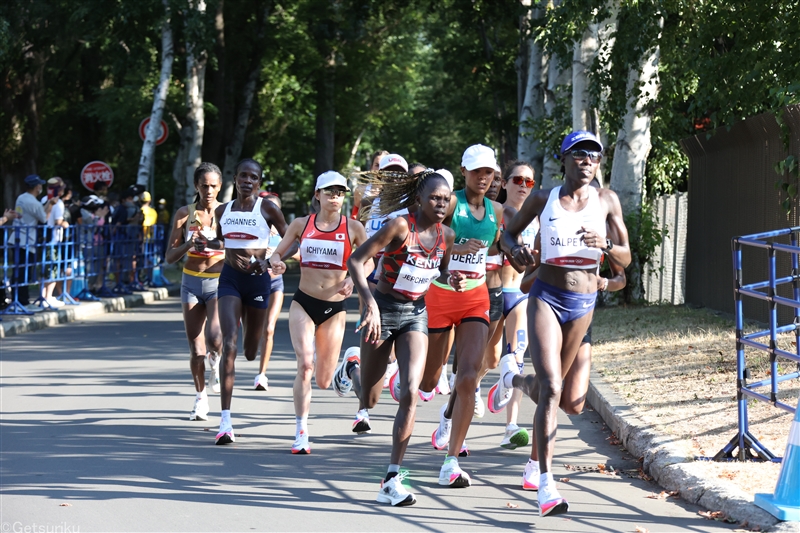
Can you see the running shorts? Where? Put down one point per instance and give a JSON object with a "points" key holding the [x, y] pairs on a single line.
{"points": [[567, 305], [511, 299], [252, 290], [318, 310], [198, 287], [450, 308], [400, 316]]}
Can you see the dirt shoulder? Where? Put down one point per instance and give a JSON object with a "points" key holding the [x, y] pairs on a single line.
{"points": [[676, 368]]}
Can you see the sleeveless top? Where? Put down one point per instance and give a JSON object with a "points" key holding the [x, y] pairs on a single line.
{"points": [[468, 227], [244, 229], [193, 223], [562, 239], [411, 268], [328, 250]]}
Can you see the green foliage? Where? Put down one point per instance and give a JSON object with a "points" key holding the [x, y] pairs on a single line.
{"points": [[787, 184]]}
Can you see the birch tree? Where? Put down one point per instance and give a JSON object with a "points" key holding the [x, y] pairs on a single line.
{"points": [[160, 98], [532, 66], [196, 58]]}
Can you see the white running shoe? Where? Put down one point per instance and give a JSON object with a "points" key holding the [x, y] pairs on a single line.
{"points": [[426, 396], [261, 382], [213, 378], [499, 394], [530, 477], [464, 451], [391, 368], [200, 409], [550, 501], [394, 492], [54, 302], [443, 387], [451, 475], [515, 437], [361, 423], [441, 435], [301, 445], [225, 435], [479, 410], [341, 383]]}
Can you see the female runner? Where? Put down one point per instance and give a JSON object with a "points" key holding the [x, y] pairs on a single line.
{"points": [[191, 225], [275, 303], [475, 220], [244, 227], [416, 251], [518, 184], [317, 313], [574, 218]]}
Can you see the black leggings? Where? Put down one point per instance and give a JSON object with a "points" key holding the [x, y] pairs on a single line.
{"points": [[318, 310]]}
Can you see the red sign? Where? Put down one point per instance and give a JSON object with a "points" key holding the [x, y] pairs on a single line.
{"points": [[96, 172], [162, 134]]}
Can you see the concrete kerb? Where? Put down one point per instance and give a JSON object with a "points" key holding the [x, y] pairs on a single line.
{"points": [[672, 468], [16, 324]]}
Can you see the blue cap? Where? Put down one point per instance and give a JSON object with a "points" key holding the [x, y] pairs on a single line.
{"points": [[33, 180], [577, 136]]}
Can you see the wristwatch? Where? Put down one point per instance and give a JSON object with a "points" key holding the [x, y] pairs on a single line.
{"points": [[609, 246]]}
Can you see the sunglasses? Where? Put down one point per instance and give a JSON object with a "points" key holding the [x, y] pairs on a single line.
{"points": [[527, 182], [334, 193], [580, 155]]}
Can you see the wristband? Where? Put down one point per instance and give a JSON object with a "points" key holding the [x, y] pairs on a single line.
{"points": [[609, 246]]}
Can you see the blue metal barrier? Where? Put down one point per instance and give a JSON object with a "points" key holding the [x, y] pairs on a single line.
{"points": [[749, 448], [90, 261]]}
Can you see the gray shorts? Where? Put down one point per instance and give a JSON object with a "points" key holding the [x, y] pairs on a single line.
{"points": [[398, 317], [198, 290]]}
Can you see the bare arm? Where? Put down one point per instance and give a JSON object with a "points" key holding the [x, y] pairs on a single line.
{"points": [[509, 243], [178, 246], [291, 237], [620, 252]]}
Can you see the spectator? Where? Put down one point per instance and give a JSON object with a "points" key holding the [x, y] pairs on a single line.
{"points": [[9, 216], [93, 213], [163, 213], [150, 215], [55, 234], [126, 234], [31, 213]]}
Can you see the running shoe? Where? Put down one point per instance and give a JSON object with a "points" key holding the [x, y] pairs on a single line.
{"points": [[394, 492], [54, 302], [213, 378], [261, 382], [451, 474], [301, 445], [341, 383], [530, 477], [443, 387], [394, 386], [391, 368], [361, 423], [479, 410], [225, 435], [464, 451], [441, 436], [426, 396], [550, 501], [499, 394], [200, 409], [515, 437]]}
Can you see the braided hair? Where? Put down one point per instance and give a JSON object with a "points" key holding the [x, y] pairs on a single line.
{"points": [[394, 190]]}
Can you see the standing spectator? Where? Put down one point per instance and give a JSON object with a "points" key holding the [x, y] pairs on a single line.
{"points": [[163, 213], [150, 214], [31, 213], [55, 234], [127, 222]]}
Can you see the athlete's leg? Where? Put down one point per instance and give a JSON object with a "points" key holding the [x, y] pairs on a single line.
{"points": [[439, 343], [516, 334], [230, 312], [329, 338], [301, 331], [267, 341], [411, 349], [368, 384], [194, 318], [213, 329], [576, 381], [254, 320], [471, 338]]}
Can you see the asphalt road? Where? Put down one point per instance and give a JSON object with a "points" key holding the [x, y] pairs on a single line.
{"points": [[95, 436]]}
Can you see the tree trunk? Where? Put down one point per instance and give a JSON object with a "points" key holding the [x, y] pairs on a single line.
{"points": [[219, 128], [149, 146], [558, 86], [633, 139], [195, 116], [532, 105], [326, 117], [234, 149], [179, 167], [583, 55]]}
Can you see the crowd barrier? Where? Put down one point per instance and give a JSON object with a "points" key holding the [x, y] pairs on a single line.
{"points": [[749, 447], [88, 262]]}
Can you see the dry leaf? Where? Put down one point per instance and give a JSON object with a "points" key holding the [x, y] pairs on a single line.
{"points": [[512, 505], [660, 496], [65, 505], [564, 480], [640, 529]]}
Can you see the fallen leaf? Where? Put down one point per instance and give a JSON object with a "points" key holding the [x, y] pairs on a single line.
{"points": [[512, 505], [206, 429], [65, 505], [640, 529], [660, 496], [564, 480], [712, 515]]}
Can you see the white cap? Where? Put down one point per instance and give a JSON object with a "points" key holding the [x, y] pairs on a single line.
{"points": [[479, 156], [329, 179], [443, 172], [393, 160]]}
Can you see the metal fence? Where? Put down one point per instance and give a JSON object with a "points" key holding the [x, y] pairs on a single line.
{"points": [[732, 192], [88, 261], [665, 276]]}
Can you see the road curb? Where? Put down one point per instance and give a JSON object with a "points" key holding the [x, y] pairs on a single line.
{"points": [[670, 465], [17, 324]]}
